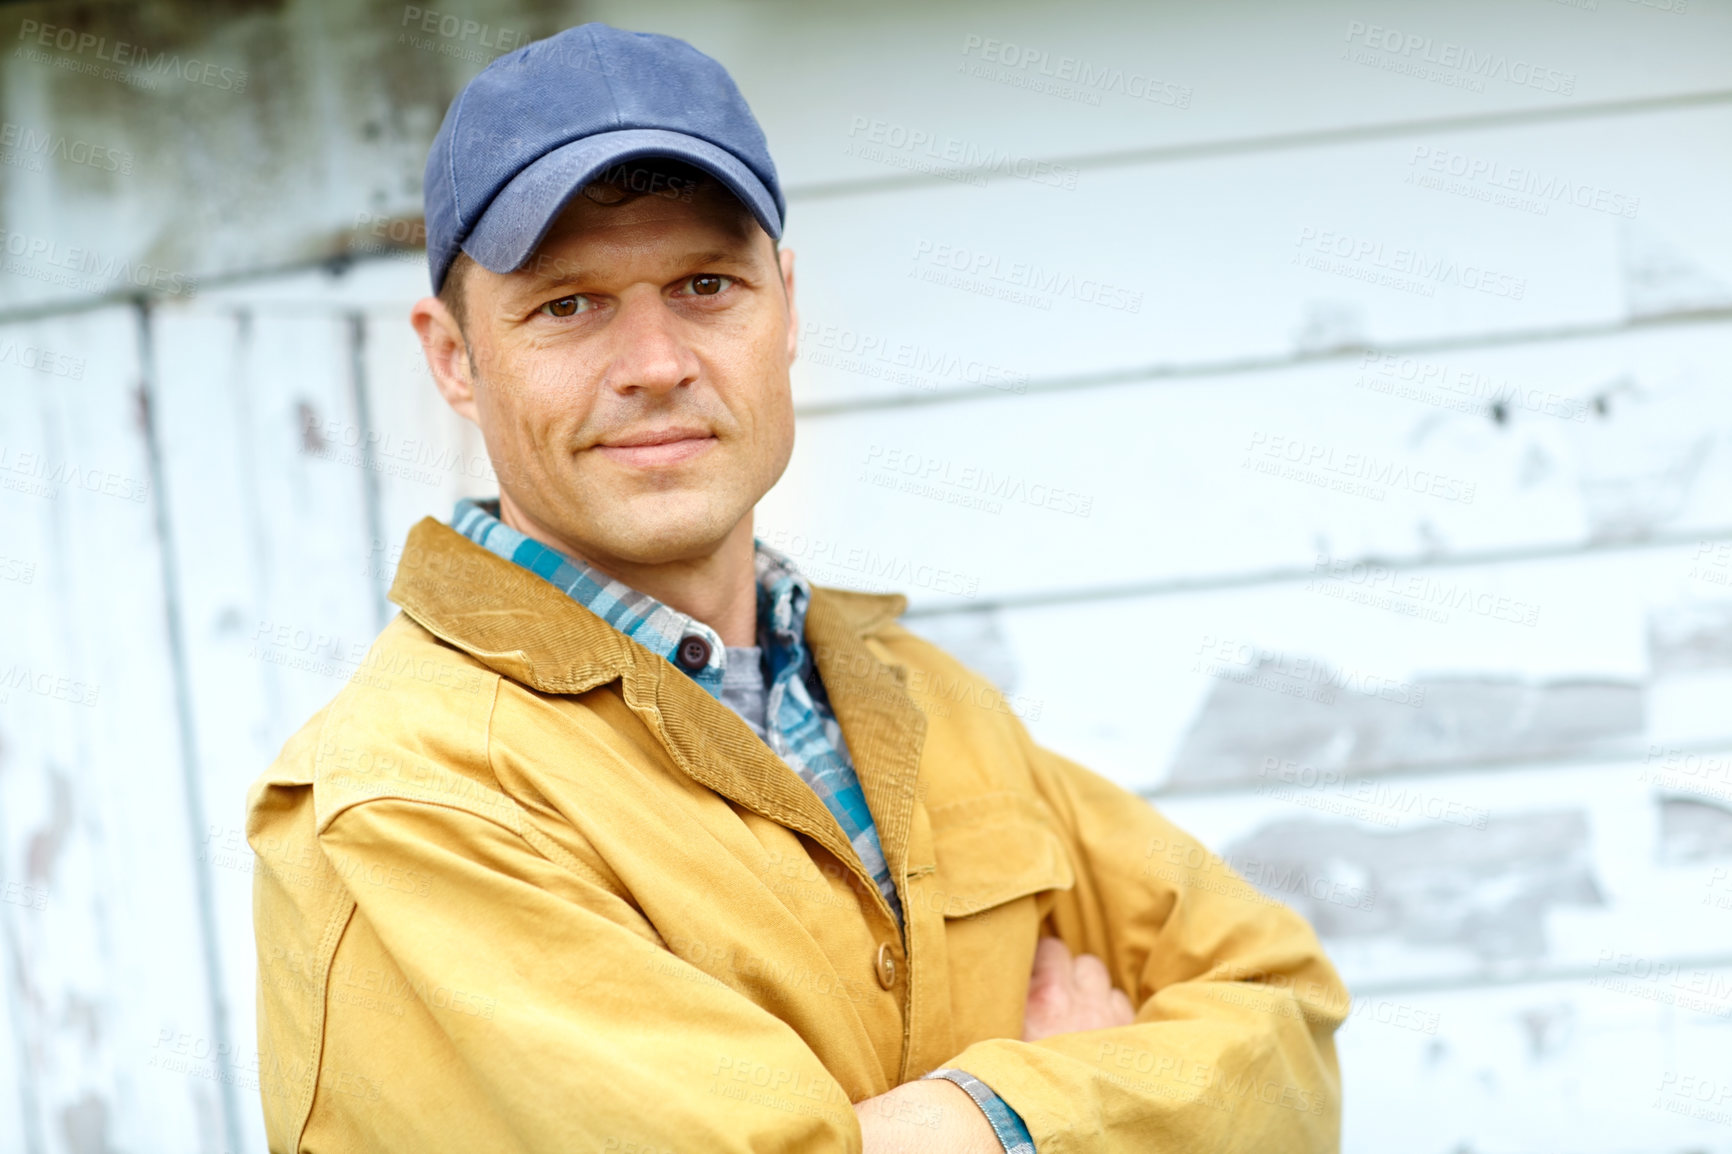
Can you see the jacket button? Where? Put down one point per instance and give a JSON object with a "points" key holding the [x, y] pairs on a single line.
{"points": [[693, 653], [886, 966]]}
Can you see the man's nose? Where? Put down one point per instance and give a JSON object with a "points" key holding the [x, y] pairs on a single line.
{"points": [[650, 352]]}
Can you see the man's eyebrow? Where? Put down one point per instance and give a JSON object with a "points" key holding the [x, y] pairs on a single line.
{"points": [[545, 274]]}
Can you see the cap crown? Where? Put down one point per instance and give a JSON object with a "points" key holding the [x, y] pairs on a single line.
{"points": [[583, 81]]}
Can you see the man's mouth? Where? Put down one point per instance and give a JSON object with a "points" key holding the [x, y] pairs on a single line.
{"points": [[654, 447]]}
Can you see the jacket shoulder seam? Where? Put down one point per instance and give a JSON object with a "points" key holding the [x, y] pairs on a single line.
{"points": [[521, 828], [558, 855], [489, 802], [512, 822]]}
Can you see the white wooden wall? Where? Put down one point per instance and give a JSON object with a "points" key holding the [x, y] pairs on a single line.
{"points": [[1243, 529]]}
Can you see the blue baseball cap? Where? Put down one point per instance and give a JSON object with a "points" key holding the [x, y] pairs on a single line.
{"points": [[539, 123]]}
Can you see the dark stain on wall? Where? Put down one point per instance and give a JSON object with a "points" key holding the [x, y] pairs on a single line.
{"points": [[84, 1126], [311, 121], [47, 842]]}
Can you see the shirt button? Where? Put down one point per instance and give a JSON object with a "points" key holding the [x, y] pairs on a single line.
{"points": [[886, 966], [693, 653]]}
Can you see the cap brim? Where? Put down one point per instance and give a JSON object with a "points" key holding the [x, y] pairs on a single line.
{"points": [[513, 225]]}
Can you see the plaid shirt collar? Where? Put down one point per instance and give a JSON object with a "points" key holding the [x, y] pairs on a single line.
{"points": [[783, 596]]}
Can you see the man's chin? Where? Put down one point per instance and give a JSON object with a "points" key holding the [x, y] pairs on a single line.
{"points": [[648, 539]]}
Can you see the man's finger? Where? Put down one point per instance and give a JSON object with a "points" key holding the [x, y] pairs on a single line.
{"points": [[1123, 1011], [1051, 962], [1091, 977]]}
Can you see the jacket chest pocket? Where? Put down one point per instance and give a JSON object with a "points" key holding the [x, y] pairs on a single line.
{"points": [[997, 863], [991, 850]]}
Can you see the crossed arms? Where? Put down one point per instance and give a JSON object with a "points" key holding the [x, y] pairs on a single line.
{"points": [[1214, 1031]]}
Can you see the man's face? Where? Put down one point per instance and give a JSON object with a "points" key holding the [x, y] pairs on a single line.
{"points": [[631, 379]]}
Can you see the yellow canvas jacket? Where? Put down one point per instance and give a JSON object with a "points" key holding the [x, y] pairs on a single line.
{"points": [[524, 886]]}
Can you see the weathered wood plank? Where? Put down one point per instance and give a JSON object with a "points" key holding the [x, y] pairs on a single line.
{"points": [[1058, 82], [1367, 669], [1218, 478], [427, 455], [1252, 258], [110, 995], [266, 472], [1587, 1066]]}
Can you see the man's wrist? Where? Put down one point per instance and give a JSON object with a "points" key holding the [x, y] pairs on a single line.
{"points": [[926, 1116]]}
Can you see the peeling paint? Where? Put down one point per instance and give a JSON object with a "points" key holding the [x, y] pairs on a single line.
{"points": [[1487, 891], [1549, 1028], [83, 1016], [84, 1126], [317, 121], [1461, 719], [45, 845], [1632, 505], [1691, 637], [1693, 829], [1659, 278], [1330, 326], [311, 428]]}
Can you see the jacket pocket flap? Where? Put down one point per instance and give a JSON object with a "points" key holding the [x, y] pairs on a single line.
{"points": [[993, 849]]}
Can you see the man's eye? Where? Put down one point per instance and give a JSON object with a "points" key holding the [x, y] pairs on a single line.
{"points": [[709, 284], [564, 306]]}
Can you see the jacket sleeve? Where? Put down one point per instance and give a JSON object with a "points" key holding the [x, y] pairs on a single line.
{"points": [[1233, 1044], [599, 1037]]}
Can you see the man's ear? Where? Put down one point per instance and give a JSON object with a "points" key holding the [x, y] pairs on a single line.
{"points": [[447, 355], [787, 265]]}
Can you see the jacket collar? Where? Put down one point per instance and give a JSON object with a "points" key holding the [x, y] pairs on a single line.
{"points": [[530, 631]]}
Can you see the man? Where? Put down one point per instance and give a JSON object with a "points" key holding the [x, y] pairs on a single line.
{"points": [[628, 838]]}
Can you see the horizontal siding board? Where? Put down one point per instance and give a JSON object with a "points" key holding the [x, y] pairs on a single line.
{"points": [[1601, 440], [946, 288], [1598, 1068], [909, 66], [1192, 691]]}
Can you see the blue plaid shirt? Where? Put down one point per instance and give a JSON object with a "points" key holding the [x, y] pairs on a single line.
{"points": [[802, 730]]}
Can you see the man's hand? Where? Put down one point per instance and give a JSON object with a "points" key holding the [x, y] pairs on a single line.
{"points": [[935, 1116], [1068, 994], [929, 1116]]}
